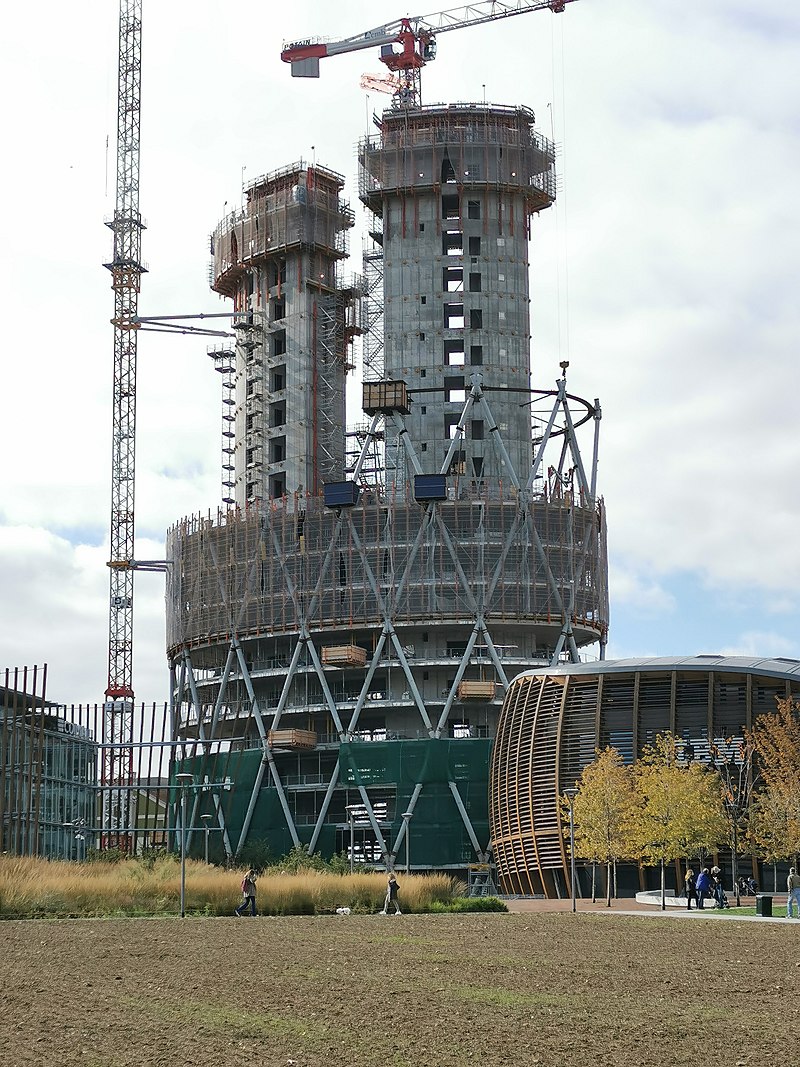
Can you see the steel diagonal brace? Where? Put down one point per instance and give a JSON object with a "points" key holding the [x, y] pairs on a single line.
{"points": [[305, 635], [326, 802], [374, 823], [405, 440], [462, 666], [482, 854], [368, 438], [266, 757], [287, 684], [390, 631], [494, 430], [178, 701], [551, 581], [401, 833], [575, 449], [415, 550], [475, 392], [493, 651], [362, 696], [418, 698], [325, 687], [561, 386], [247, 588], [519, 518], [223, 687], [201, 731], [226, 840], [457, 563], [220, 583]]}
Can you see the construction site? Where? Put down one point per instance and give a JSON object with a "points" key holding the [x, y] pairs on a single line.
{"points": [[343, 623], [351, 617]]}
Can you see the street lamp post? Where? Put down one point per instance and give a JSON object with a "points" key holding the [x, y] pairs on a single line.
{"points": [[184, 781], [570, 795], [407, 821], [351, 818], [206, 822]]}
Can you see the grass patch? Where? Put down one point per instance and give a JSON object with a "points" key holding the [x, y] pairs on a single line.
{"points": [[35, 888]]}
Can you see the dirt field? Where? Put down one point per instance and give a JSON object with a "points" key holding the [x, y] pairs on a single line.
{"points": [[553, 990]]}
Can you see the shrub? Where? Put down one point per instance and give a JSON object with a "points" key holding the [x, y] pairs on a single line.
{"points": [[105, 855], [460, 904], [300, 860], [255, 854]]}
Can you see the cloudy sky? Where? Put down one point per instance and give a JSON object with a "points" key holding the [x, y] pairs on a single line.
{"points": [[668, 277]]}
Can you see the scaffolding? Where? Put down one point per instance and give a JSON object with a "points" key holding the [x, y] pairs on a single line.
{"points": [[225, 365], [474, 146], [295, 320]]}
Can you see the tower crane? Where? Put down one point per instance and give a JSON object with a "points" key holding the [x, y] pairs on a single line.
{"points": [[126, 272], [416, 36]]}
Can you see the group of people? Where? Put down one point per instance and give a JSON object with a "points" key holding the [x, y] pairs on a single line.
{"points": [[709, 884], [706, 886], [249, 895]]}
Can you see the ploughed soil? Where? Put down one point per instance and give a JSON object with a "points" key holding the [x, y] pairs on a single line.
{"points": [[555, 990]]}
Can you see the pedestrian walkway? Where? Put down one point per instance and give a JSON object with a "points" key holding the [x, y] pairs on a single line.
{"points": [[631, 907]]}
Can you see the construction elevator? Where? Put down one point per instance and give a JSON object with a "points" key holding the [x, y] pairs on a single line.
{"points": [[342, 630]]}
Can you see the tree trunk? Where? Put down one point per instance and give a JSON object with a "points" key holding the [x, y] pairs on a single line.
{"points": [[594, 881], [774, 877], [608, 884], [663, 886]]}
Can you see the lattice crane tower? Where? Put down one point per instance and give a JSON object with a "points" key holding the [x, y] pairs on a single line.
{"points": [[126, 272]]}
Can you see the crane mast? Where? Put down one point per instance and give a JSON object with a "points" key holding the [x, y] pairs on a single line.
{"points": [[416, 36], [126, 272]]}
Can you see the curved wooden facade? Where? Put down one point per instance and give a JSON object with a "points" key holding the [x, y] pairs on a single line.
{"points": [[553, 720]]}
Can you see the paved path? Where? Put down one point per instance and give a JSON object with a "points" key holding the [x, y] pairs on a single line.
{"points": [[629, 906]]}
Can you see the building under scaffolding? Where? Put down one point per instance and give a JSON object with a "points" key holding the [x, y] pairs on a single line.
{"points": [[349, 622], [48, 772]]}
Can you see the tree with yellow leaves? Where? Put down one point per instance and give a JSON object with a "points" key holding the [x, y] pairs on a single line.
{"points": [[773, 830], [601, 811], [775, 817], [678, 807]]}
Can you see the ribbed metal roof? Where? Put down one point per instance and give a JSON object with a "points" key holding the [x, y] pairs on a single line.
{"points": [[777, 667]]}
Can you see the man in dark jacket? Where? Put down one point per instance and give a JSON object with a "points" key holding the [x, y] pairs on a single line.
{"points": [[703, 886]]}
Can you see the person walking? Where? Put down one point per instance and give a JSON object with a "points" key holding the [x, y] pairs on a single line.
{"points": [[248, 894], [392, 887], [793, 889], [703, 887], [690, 884], [717, 889]]}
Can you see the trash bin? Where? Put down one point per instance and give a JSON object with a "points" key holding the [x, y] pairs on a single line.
{"points": [[764, 905]]}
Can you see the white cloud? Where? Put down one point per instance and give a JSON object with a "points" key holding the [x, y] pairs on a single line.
{"points": [[640, 595], [754, 643]]}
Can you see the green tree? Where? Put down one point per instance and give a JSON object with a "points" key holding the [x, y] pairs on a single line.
{"points": [[601, 811], [678, 807]]}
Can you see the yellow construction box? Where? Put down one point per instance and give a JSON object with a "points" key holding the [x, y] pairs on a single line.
{"points": [[476, 690], [296, 739], [344, 656]]}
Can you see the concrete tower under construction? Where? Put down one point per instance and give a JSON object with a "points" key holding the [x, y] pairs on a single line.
{"points": [[344, 628]]}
